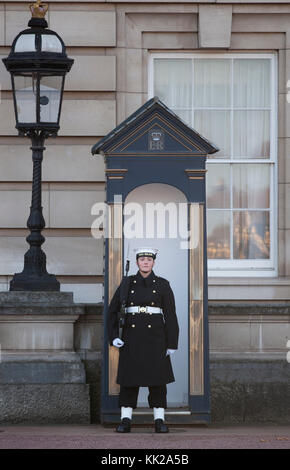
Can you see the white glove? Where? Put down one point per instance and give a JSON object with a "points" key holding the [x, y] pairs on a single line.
{"points": [[118, 343], [170, 351]]}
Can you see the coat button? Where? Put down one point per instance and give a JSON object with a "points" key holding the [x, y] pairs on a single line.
{"points": [[154, 292], [153, 280], [133, 326], [132, 292], [149, 326], [132, 303], [135, 281], [152, 303]]}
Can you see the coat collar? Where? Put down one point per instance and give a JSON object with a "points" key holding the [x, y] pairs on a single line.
{"points": [[148, 281]]}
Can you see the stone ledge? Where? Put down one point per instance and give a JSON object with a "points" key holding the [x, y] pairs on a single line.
{"points": [[42, 372], [50, 311], [249, 308], [40, 310], [42, 356], [250, 371], [24, 303], [39, 298], [44, 404], [38, 320], [247, 356]]}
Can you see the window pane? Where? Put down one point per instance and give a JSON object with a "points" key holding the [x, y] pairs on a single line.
{"points": [[184, 114], [215, 126], [251, 134], [212, 82], [218, 230], [173, 82], [251, 186], [252, 83], [251, 235], [218, 186]]}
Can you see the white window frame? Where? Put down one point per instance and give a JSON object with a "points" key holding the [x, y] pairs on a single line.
{"points": [[252, 267]]}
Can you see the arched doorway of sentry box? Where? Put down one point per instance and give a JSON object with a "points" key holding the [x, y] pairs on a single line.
{"points": [[155, 215]]}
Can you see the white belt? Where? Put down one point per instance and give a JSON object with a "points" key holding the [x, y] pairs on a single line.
{"points": [[146, 309]]}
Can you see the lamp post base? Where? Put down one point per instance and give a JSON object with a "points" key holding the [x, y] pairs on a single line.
{"points": [[25, 282]]}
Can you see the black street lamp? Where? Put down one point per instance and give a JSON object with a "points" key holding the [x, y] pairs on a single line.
{"points": [[38, 64]]}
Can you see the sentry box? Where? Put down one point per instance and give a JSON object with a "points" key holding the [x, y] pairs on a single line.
{"points": [[156, 196]]}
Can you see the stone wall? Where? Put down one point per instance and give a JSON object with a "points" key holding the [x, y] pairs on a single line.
{"points": [[250, 375]]}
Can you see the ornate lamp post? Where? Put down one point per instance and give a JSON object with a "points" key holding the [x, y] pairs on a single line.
{"points": [[38, 64]]}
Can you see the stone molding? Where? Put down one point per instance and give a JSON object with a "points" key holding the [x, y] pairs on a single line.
{"points": [[214, 26]]}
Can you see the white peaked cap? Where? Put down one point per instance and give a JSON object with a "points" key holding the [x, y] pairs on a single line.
{"points": [[145, 251]]}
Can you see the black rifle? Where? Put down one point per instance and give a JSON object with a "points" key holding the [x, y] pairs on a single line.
{"points": [[124, 289]]}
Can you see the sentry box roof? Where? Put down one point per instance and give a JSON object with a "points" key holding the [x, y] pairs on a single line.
{"points": [[153, 129]]}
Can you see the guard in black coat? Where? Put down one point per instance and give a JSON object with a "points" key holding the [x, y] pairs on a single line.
{"points": [[149, 337]]}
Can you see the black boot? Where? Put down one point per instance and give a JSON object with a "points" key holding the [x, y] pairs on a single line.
{"points": [[160, 426], [124, 426]]}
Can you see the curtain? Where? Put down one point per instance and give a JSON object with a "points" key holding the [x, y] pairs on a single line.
{"points": [[173, 82], [251, 83], [251, 186], [212, 83]]}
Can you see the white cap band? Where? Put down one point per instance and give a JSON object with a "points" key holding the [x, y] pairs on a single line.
{"points": [[145, 251]]}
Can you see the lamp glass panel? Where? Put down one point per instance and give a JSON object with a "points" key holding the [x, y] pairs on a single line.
{"points": [[25, 96], [50, 98], [50, 43], [25, 43]]}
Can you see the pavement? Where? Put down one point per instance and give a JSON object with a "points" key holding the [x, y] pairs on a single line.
{"points": [[189, 437]]}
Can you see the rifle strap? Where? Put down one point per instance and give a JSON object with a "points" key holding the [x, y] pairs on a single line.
{"points": [[124, 289]]}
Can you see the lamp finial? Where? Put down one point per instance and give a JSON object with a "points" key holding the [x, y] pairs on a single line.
{"points": [[38, 9]]}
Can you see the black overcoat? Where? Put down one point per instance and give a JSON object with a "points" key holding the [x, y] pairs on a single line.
{"points": [[142, 359]]}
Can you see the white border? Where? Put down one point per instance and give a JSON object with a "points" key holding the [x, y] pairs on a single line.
{"points": [[243, 268]]}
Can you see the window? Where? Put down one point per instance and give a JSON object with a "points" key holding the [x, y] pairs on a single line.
{"points": [[230, 99]]}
